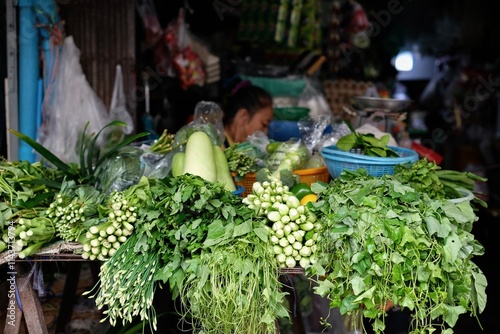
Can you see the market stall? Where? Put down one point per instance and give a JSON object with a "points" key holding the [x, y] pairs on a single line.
{"points": [[178, 223], [329, 220]]}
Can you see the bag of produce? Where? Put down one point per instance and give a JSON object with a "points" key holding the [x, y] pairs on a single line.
{"points": [[207, 118], [289, 155]]}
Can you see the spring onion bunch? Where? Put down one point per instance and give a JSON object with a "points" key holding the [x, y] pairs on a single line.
{"points": [[294, 229]]}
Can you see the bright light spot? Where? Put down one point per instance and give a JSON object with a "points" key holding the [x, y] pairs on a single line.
{"points": [[404, 61]]}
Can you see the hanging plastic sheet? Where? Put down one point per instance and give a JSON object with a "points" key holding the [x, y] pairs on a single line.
{"points": [[72, 105]]}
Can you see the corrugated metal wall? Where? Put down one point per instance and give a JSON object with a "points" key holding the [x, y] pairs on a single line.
{"points": [[104, 31]]}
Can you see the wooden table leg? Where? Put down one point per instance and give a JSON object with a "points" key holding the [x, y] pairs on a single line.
{"points": [[32, 309], [296, 313], [69, 296]]}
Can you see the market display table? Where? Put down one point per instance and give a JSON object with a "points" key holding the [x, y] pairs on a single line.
{"points": [[26, 301]]}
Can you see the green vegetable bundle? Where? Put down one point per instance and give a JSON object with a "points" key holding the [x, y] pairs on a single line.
{"points": [[26, 190], [200, 240], [240, 161], [426, 176], [385, 241], [367, 144], [293, 228]]}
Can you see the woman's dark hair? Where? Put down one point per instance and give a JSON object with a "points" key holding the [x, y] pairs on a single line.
{"points": [[244, 95]]}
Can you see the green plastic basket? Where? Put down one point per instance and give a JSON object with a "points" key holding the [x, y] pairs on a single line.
{"points": [[290, 113], [292, 87]]}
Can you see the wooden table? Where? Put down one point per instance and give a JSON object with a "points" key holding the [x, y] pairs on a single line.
{"points": [[27, 305], [30, 309]]}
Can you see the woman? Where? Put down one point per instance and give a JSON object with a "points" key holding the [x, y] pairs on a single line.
{"points": [[248, 109]]}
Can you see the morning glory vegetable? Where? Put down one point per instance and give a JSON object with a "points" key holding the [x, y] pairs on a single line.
{"points": [[383, 240]]}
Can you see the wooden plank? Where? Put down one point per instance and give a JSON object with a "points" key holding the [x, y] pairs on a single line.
{"points": [[32, 309]]}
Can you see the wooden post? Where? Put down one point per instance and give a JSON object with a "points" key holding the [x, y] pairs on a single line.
{"points": [[32, 309]]}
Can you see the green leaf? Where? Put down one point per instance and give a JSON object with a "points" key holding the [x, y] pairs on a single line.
{"points": [[216, 230], [452, 247], [358, 285], [324, 287], [347, 142], [384, 140], [348, 304], [435, 227], [367, 295], [261, 233], [452, 313], [371, 139], [376, 151], [479, 291], [242, 229], [65, 168]]}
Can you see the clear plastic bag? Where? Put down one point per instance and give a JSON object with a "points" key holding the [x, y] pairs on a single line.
{"points": [[118, 109], [122, 170], [208, 118], [118, 112], [157, 166], [312, 130], [291, 155], [313, 99], [70, 105], [259, 142]]}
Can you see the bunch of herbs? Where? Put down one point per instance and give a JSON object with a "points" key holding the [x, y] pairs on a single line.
{"points": [[385, 241]]}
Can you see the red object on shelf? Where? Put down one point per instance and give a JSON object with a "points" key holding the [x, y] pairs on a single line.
{"points": [[425, 152]]}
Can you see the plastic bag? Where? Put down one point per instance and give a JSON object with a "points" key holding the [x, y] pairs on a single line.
{"points": [[313, 99], [259, 142], [208, 118], [185, 61], [312, 130], [330, 138], [291, 155], [122, 170], [118, 108], [118, 112], [157, 166], [70, 106]]}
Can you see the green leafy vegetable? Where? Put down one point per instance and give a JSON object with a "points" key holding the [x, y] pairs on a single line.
{"points": [[384, 240], [426, 176], [240, 161], [368, 144], [183, 225]]}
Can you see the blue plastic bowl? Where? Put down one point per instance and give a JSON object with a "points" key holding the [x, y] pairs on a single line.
{"points": [[336, 163], [405, 154], [281, 130]]}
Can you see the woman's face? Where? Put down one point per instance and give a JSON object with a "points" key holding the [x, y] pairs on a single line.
{"points": [[260, 120]]}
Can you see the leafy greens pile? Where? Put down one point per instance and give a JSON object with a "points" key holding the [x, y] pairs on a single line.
{"points": [[208, 247], [384, 241]]}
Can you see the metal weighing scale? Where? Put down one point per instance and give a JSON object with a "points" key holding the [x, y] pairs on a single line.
{"points": [[366, 107]]}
